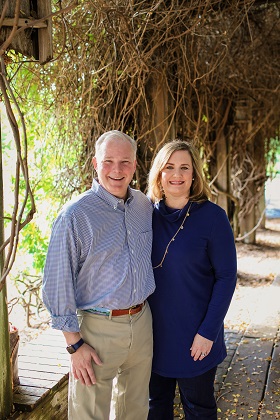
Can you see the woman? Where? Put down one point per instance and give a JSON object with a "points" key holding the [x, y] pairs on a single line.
{"points": [[194, 260]]}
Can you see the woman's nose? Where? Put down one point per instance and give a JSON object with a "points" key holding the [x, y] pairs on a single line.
{"points": [[177, 172]]}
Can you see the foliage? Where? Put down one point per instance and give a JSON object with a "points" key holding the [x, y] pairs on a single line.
{"points": [[53, 172], [273, 157], [29, 297], [212, 66], [215, 62]]}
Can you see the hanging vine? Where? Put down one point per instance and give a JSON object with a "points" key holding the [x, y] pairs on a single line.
{"points": [[121, 61], [18, 220], [206, 53], [23, 210]]}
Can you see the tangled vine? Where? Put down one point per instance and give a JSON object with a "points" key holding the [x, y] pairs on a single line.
{"points": [[207, 71]]}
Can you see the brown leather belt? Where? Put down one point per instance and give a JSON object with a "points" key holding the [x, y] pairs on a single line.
{"points": [[130, 311], [116, 312]]}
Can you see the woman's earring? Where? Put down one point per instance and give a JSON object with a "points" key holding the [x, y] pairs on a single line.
{"points": [[193, 179]]}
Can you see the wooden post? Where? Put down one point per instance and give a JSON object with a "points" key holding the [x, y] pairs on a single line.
{"points": [[6, 393], [243, 118], [45, 34]]}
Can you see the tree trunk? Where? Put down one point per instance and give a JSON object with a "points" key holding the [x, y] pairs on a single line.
{"points": [[6, 394], [260, 184], [247, 225], [247, 215], [222, 180], [261, 209]]}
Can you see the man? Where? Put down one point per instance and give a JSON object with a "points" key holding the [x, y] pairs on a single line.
{"points": [[99, 262]]}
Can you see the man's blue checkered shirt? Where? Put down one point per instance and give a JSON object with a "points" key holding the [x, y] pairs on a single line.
{"points": [[99, 255]]}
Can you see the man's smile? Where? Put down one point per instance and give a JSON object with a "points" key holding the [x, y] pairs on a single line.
{"points": [[116, 179]]}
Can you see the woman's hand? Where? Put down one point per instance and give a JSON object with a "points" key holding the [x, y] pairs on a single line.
{"points": [[200, 348]]}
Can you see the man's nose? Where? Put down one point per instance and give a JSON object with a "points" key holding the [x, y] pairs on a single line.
{"points": [[117, 167]]}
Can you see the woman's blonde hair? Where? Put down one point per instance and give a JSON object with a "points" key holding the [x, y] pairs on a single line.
{"points": [[200, 190]]}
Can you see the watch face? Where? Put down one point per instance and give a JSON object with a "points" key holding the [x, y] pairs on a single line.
{"points": [[70, 349]]}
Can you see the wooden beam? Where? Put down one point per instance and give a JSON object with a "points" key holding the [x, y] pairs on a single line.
{"points": [[28, 23]]}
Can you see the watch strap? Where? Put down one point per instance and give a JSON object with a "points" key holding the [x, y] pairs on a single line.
{"points": [[72, 348]]}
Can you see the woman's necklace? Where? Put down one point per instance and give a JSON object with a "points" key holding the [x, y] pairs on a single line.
{"points": [[173, 238]]}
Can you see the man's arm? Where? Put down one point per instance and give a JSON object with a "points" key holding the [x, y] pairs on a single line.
{"points": [[59, 296]]}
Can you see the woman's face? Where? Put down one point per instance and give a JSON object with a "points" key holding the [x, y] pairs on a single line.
{"points": [[177, 174]]}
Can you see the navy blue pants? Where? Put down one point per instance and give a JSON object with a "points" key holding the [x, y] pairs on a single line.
{"points": [[197, 397]]}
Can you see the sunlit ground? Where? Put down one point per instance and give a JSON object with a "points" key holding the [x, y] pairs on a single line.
{"points": [[258, 265]]}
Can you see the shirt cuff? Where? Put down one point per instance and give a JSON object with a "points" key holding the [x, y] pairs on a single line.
{"points": [[67, 323]]}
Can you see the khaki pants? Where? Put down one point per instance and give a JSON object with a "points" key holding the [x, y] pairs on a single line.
{"points": [[124, 344]]}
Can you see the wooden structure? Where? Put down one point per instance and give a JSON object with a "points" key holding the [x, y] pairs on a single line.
{"points": [[26, 27], [43, 366]]}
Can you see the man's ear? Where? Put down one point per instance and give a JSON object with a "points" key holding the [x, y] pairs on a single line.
{"points": [[94, 162], [135, 165]]}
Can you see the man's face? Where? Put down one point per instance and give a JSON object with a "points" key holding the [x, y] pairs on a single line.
{"points": [[115, 165]]}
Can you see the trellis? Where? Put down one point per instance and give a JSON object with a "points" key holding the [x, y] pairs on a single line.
{"points": [[161, 70]]}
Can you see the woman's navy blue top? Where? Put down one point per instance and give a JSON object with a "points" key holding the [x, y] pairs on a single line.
{"points": [[194, 287]]}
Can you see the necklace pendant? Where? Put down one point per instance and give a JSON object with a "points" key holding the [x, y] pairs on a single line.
{"points": [[182, 227]]}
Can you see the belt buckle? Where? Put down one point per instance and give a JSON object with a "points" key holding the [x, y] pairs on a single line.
{"points": [[133, 307]]}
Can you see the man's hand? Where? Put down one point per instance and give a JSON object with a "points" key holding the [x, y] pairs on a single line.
{"points": [[201, 347], [81, 362], [82, 359]]}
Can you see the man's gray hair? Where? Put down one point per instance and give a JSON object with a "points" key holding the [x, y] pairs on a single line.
{"points": [[114, 134]]}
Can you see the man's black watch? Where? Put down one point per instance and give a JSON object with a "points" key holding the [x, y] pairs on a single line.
{"points": [[72, 348]]}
